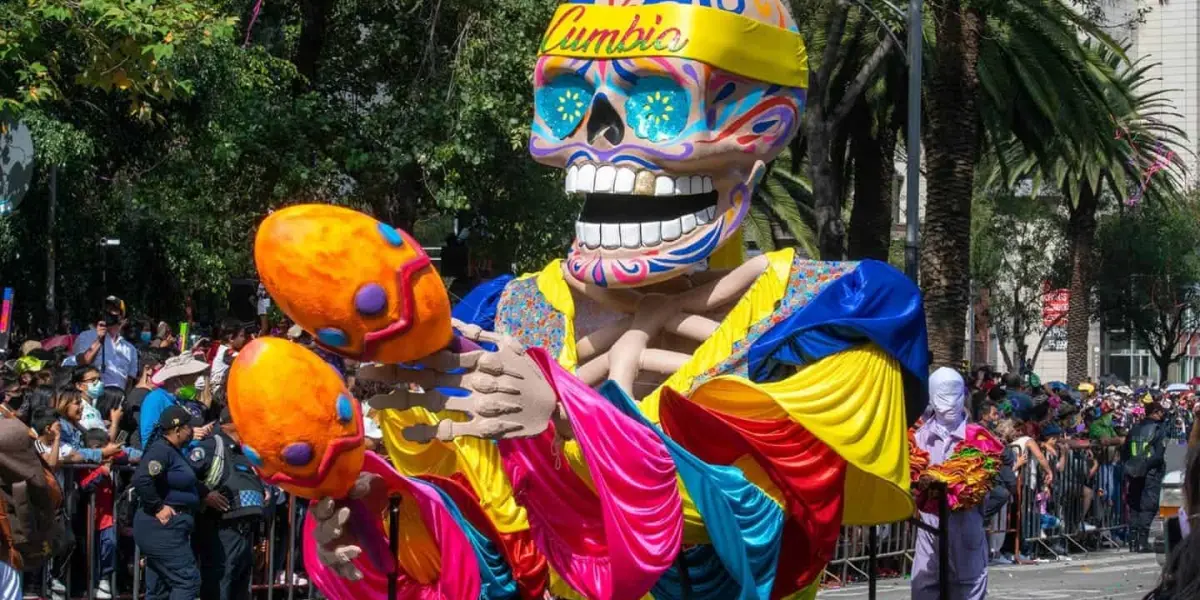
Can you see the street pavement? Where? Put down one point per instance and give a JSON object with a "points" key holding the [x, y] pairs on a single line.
{"points": [[1110, 575]]}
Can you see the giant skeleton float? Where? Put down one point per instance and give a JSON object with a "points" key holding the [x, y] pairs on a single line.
{"points": [[590, 430]]}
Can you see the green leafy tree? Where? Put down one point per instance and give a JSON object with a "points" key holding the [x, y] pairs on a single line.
{"points": [[998, 71], [1135, 158], [49, 49], [416, 113], [1147, 275], [782, 206], [1015, 247]]}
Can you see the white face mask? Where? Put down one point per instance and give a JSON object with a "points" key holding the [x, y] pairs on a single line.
{"points": [[947, 416], [946, 395]]}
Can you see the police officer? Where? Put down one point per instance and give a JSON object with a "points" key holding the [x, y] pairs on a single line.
{"points": [[1145, 461], [226, 528], [169, 494]]}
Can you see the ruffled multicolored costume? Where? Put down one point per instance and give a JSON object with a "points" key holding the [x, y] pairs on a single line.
{"points": [[969, 473]]}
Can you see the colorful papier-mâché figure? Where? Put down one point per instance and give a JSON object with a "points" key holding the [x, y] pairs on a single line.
{"points": [[654, 401]]}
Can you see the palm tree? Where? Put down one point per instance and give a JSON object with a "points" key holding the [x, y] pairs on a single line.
{"points": [[850, 46], [783, 203], [996, 70], [1138, 154]]}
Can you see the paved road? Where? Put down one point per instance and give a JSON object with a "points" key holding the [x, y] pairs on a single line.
{"points": [[1100, 576]]}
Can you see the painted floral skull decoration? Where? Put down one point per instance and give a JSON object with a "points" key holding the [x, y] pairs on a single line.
{"points": [[663, 116]]}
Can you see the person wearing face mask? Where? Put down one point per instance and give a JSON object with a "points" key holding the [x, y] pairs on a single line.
{"points": [[942, 431], [176, 373], [86, 379]]}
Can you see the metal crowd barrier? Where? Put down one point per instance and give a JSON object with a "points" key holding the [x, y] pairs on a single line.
{"points": [[862, 553], [263, 581], [862, 549], [1018, 525]]}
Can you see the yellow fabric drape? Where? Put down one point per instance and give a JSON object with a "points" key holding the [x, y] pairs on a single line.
{"points": [[731, 254], [854, 402], [418, 553], [808, 593], [554, 289], [478, 460]]}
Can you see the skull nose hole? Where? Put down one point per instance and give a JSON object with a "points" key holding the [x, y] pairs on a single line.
{"points": [[603, 121]]}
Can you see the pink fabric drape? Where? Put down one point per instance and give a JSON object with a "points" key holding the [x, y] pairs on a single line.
{"points": [[460, 575], [613, 544]]}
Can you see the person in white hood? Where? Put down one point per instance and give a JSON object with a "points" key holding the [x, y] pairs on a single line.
{"points": [[946, 427]]}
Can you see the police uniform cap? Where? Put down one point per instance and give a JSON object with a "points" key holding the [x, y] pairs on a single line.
{"points": [[173, 417]]}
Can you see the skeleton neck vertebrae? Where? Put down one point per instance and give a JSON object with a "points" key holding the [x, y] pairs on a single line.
{"points": [[648, 334]]}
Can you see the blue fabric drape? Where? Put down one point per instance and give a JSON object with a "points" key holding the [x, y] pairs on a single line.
{"points": [[744, 524], [478, 307], [873, 303]]}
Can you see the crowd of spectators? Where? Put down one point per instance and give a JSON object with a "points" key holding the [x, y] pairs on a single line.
{"points": [[1086, 430], [77, 415]]}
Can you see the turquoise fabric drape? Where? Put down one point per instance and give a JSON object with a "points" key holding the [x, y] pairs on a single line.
{"points": [[744, 524]]}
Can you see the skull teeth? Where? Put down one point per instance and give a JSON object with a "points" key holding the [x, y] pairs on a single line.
{"points": [[641, 235], [607, 179]]}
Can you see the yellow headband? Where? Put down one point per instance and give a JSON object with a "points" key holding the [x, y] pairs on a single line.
{"points": [[719, 38]]}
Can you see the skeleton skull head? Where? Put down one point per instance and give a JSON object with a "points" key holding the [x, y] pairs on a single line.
{"points": [[665, 149]]}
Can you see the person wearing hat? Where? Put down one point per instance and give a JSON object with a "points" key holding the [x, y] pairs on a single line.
{"points": [[169, 494], [176, 372], [1145, 463], [224, 544], [105, 348]]}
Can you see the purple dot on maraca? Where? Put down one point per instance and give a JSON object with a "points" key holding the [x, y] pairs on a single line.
{"points": [[370, 299], [298, 454]]}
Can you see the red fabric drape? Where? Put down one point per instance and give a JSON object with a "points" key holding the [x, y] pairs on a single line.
{"points": [[530, 568], [809, 473]]}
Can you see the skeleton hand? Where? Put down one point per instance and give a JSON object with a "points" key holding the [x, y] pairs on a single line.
{"points": [[337, 547], [506, 394]]}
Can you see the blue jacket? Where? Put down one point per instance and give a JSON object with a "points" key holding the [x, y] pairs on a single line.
{"points": [[152, 408]]}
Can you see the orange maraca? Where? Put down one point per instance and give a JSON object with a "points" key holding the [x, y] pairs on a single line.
{"points": [[298, 424], [365, 289]]}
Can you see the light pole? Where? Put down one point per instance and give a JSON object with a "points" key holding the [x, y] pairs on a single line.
{"points": [[105, 244]]}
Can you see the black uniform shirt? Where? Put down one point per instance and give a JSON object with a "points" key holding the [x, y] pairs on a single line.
{"points": [[165, 477]]}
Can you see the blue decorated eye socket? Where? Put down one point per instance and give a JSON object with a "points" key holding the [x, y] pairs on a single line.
{"points": [[657, 109], [563, 102]]}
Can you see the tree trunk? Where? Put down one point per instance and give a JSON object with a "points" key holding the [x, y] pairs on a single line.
{"points": [[951, 145], [1164, 367], [1081, 233], [873, 149], [1003, 344], [827, 189], [315, 22]]}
